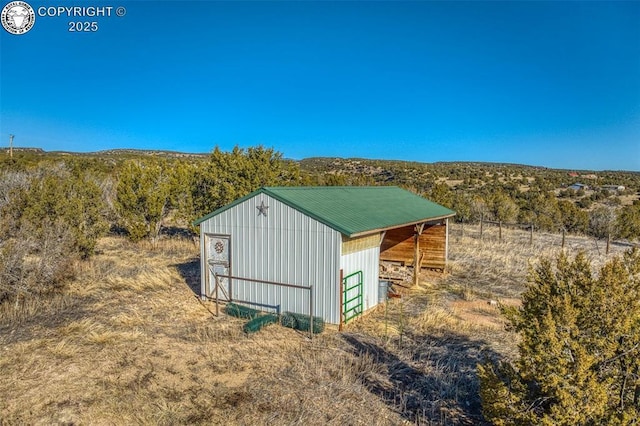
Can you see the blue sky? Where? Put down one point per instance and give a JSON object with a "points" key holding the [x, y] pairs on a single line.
{"points": [[553, 84]]}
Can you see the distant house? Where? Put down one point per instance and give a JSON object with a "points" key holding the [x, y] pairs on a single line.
{"points": [[613, 188], [579, 186], [317, 249]]}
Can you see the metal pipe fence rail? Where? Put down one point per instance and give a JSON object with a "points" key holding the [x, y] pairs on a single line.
{"points": [[259, 281]]}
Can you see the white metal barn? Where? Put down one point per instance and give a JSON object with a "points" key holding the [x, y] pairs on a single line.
{"points": [[326, 239]]}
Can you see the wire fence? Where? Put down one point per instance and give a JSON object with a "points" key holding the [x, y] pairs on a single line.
{"points": [[499, 231]]}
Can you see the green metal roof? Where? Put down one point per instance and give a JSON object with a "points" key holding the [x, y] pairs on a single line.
{"points": [[353, 210]]}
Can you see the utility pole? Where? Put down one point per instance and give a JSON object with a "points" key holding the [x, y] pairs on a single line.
{"points": [[11, 146]]}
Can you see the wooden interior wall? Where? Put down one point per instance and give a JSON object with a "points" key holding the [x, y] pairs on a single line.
{"points": [[398, 246], [433, 243]]}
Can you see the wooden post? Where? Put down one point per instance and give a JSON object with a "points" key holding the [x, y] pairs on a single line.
{"points": [[608, 243], [446, 243], [417, 259], [481, 225], [563, 231], [500, 230]]}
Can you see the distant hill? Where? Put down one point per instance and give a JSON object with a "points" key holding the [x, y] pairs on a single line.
{"points": [[153, 153], [125, 152], [117, 152], [325, 164], [33, 150]]}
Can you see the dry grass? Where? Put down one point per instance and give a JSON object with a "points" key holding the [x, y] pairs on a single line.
{"points": [[128, 342], [492, 269], [132, 344]]}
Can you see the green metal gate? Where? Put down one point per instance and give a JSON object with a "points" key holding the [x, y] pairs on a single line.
{"points": [[352, 296]]}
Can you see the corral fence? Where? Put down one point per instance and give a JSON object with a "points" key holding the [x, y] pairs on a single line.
{"points": [[228, 296], [497, 230]]}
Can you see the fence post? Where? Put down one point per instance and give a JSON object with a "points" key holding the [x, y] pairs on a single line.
{"points": [[500, 230], [311, 312], [481, 225], [608, 243], [217, 303], [563, 231], [531, 234]]}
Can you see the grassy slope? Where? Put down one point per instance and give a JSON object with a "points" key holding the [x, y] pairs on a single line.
{"points": [[129, 342]]}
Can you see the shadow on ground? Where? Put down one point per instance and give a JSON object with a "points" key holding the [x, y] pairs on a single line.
{"points": [[176, 231], [427, 379], [190, 271]]}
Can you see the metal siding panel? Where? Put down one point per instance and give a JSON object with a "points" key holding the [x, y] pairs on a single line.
{"points": [[285, 246], [367, 262]]}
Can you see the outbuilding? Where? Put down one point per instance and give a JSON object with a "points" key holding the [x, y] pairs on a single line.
{"points": [[317, 250], [579, 186]]}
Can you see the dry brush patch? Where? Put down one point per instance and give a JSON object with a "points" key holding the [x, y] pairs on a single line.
{"points": [[135, 345]]}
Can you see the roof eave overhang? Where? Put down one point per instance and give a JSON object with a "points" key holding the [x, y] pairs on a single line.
{"points": [[402, 225]]}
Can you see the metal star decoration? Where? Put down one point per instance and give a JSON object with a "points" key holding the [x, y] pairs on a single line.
{"points": [[262, 209]]}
